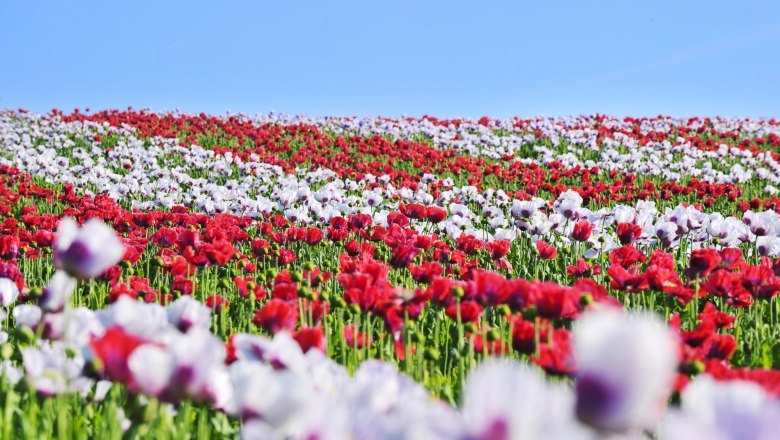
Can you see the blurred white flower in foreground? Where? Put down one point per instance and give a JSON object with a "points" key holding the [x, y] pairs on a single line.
{"points": [[86, 252], [627, 364], [735, 410], [8, 292], [186, 313], [55, 368], [504, 400], [57, 292]]}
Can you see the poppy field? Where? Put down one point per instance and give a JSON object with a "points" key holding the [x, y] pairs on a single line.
{"points": [[173, 275]]}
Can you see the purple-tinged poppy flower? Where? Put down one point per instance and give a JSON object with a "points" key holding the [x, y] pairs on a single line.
{"points": [[86, 252]]}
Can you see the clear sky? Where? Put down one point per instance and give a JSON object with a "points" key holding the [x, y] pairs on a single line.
{"points": [[368, 58]]}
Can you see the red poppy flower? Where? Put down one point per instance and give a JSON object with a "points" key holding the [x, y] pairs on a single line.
{"points": [[719, 346], [277, 315], [113, 349], [597, 292], [217, 303], [626, 256], [248, 286], [761, 282], [721, 319], [523, 336], [731, 258], [557, 358], [378, 233], [436, 214], [546, 252], [9, 247], [397, 218], [498, 249], [414, 211], [555, 301], [489, 287], [355, 338], [582, 230], [310, 338], [402, 256], [628, 280], [702, 262], [697, 336], [314, 236], [583, 269], [628, 232], [165, 237], [360, 221], [183, 286], [426, 272], [723, 283], [470, 311]]}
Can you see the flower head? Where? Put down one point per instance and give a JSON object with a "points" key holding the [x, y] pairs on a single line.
{"points": [[627, 364], [86, 252]]}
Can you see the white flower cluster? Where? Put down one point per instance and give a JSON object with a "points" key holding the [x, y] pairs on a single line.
{"points": [[574, 142], [163, 174]]}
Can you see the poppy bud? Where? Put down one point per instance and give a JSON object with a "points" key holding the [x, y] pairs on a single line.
{"points": [[324, 296], [694, 367], [338, 301], [586, 299], [25, 334], [431, 354], [35, 292], [93, 367], [457, 292], [6, 351]]}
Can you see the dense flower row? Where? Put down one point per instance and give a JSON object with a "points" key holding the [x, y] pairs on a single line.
{"points": [[650, 146], [484, 289], [405, 164], [320, 196]]}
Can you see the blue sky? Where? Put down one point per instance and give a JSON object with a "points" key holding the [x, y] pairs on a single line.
{"points": [[370, 58]]}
